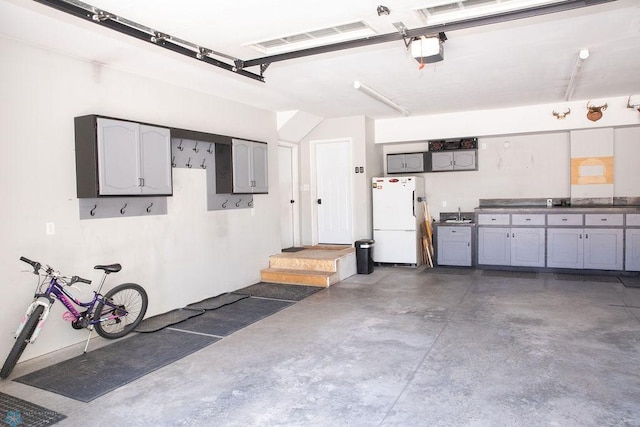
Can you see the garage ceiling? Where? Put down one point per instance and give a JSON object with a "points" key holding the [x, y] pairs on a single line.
{"points": [[515, 63]]}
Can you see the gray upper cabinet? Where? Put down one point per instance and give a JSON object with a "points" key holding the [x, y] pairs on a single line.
{"points": [[406, 163], [453, 160], [242, 167], [121, 158]]}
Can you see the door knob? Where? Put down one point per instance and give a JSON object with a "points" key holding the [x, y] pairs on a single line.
{"points": [[292, 201], [319, 201]]}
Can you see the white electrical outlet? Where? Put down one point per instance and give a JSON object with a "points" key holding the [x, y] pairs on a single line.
{"points": [[483, 146], [549, 203], [444, 203], [51, 228]]}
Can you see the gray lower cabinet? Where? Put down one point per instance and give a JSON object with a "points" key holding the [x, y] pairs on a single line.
{"points": [[406, 162], [121, 158], [453, 160], [494, 246], [511, 246], [454, 245], [632, 249], [597, 249]]}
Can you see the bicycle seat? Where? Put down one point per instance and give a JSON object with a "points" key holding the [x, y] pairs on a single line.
{"points": [[111, 268]]}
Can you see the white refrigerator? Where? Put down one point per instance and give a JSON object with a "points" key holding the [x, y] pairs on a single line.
{"points": [[397, 215]]}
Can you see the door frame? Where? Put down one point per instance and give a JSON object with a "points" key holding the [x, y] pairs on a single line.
{"points": [[313, 169], [296, 189]]}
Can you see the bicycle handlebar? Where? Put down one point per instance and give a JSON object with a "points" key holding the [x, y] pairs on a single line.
{"points": [[37, 266]]}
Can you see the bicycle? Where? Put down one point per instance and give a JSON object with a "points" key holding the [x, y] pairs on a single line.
{"points": [[112, 315]]}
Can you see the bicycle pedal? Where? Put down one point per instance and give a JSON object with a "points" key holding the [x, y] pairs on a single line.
{"points": [[67, 316]]}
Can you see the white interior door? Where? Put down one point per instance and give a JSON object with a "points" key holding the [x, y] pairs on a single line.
{"points": [[333, 192], [288, 200]]}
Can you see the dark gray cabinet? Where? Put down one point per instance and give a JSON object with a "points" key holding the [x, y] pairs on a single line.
{"points": [[121, 158], [406, 162], [242, 167]]}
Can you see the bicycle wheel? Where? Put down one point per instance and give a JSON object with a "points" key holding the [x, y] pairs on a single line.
{"points": [[128, 304], [21, 342]]}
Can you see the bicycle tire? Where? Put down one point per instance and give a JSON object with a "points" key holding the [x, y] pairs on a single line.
{"points": [[21, 342], [130, 297]]}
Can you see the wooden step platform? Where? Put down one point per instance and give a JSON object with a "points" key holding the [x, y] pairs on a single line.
{"points": [[313, 266]]}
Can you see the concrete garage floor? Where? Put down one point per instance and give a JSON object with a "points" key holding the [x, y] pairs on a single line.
{"points": [[400, 347]]}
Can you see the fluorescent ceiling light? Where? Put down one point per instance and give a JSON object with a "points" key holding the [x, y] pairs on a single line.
{"points": [[577, 69], [379, 97]]}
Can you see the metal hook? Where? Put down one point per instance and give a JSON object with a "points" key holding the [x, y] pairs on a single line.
{"points": [[189, 163], [180, 147], [210, 149], [250, 204], [238, 203], [224, 205], [195, 147], [149, 208], [122, 211], [203, 166], [92, 212], [173, 162]]}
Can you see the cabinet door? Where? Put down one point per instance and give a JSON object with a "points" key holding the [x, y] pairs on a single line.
{"points": [[565, 247], [454, 246], [494, 246], [155, 153], [603, 249], [395, 163], [464, 160], [632, 249], [414, 162], [259, 167], [118, 157], [241, 153], [527, 247], [441, 161]]}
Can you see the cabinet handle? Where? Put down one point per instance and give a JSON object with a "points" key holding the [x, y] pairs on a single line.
{"points": [[586, 236], [603, 219], [527, 219], [565, 219], [580, 236], [513, 235], [140, 182]]}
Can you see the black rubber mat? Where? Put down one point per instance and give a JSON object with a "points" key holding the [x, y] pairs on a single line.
{"points": [[630, 282], [462, 271], [217, 302], [98, 372], [293, 249], [510, 274], [280, 291], [586, 278], [173, 317], [232, 317], [18, 412]]}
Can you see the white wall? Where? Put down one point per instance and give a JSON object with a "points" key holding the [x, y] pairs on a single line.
{"points": [[184, 256]]}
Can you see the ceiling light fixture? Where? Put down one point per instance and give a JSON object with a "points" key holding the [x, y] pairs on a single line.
{"points": [[383, 10], [577, 69], [379, 97]]}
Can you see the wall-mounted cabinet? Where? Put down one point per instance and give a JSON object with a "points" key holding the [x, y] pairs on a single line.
{"points": [[407, 162], [121, 158], [458, 160], [241, 167]]}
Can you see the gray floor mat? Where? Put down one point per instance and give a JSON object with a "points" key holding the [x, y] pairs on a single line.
{"points": [[462, 271], [630, 282], [280, 291], [18, 412], [586, 277], [217, 302], [161, 321], [232, 317], [510, 274], [98, 372]]}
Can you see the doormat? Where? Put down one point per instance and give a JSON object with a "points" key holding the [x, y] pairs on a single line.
{"points": [[100, 371], [462, 271], [280, 291], [630, 282], [586, 278], [293, 249], [232, 317], [217, 302], [18, 412], [161, 321], [510, 274]]}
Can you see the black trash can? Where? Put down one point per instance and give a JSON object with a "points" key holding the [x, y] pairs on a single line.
{"points": [[364, 256]]}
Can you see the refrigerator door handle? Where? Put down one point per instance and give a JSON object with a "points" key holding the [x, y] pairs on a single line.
{"points": [[413, 202]]}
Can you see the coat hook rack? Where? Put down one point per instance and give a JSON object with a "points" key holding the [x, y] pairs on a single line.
{"points": [[210, 149], [224, 205], [189, 163], [92, 212], [238, 203], [203, 166], [122, 211], [195, 148], [180, 147], [149, 208]]}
